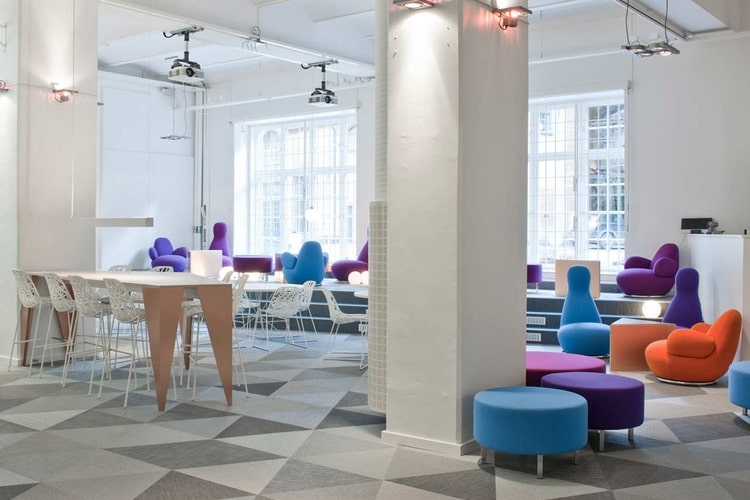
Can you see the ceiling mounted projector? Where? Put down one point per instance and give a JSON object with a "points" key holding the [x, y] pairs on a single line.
{"points": [[191, 73], [184, 70], [322, 96]]}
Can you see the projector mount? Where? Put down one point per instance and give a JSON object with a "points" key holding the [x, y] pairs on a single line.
{"points": [[322, 96], [185, 61]]}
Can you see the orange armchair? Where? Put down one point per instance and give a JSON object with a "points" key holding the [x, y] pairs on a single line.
{"points": [[699, 355]]}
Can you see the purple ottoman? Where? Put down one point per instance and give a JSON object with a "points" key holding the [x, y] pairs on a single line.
{"points": [[252, 264], [534, 274], [615, 402], [540, 363]]}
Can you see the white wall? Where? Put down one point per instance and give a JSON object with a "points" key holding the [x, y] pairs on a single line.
{"points": [[687, 130], [281, 92], [142, 175]]}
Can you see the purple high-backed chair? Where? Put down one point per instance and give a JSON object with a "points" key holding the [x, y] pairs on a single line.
{"points": [[650, 277], [685, 308], [164, 254], [341, 268], [220, 243]]}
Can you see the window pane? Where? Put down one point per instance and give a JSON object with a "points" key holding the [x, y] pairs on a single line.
{"points": [[577, 179], [297, 183]]}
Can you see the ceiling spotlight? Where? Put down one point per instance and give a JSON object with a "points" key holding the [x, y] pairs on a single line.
{"points": [[638, 49], [662, 48], [414, 4], [508, 18], [322, 96]]}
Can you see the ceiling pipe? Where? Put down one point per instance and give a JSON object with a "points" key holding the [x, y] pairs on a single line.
{"points": [[655, 18]]}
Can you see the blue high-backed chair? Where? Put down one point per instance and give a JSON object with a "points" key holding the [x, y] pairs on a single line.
{"points": [[581, 328], [308, 265]]}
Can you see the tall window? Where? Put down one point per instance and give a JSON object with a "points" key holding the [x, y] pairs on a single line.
{"points": [[295, 180], [577, 179]]}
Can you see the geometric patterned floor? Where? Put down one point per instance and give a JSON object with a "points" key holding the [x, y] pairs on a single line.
{"points": [[306, 432]]}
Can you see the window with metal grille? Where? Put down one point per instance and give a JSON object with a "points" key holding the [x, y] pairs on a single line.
{"points": [[295, 180], [577, 179]]}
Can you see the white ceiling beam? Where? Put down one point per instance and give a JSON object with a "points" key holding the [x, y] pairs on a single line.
{"points": [[656, 18]]}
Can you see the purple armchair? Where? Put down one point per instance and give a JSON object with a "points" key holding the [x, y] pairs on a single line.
{"points": [[341, 268], [220, 243], [650, 277], [164, 254]]}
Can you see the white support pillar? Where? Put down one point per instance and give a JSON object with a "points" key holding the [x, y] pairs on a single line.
{"points": [[57, 141], [456, 194]]}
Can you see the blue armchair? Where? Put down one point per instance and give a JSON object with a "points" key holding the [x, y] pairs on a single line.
{"points": [[309, 264], [581, 328], [164, 254]]}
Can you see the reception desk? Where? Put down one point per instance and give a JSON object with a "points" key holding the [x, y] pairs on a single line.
{"points": [[723, 263]]}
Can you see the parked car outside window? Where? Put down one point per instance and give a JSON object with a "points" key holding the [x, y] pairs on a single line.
{"points": [[607, 230]]}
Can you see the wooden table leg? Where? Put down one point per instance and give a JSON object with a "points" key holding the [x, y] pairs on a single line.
{"points": [[217, 311], [163, 312]]}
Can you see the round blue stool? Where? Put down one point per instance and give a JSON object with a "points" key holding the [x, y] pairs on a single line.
{"points": [[739, 385], [530, 421]]}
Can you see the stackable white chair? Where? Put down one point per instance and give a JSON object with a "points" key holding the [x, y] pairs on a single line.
{"points": [[90, 305], [125, 310], [63, 302], [309, 288], [197, 357], [285, 304], [339, 317], [162, 269], [29, 297]]}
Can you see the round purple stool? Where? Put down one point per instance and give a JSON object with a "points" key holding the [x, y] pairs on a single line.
{"points": [[540, 363], [615, 402], [534, 274], [252, 264]]}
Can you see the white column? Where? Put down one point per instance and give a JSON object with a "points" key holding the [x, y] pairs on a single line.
{"points": [[456, 194], [56, 141], [8, 168]]}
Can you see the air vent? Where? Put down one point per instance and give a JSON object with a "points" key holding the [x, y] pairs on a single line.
{"points": [[536, 320], [533, 337]]}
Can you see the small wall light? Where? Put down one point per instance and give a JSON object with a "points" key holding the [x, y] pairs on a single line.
{"points": [[414, 4], [651, 309], [4, 87], [508, 18], [62, 94]]}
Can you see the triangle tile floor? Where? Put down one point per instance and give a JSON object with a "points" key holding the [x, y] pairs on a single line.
{"points": [[305, 431]]}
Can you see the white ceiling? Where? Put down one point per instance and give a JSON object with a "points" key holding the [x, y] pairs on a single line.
{"points": [[131, 36]]}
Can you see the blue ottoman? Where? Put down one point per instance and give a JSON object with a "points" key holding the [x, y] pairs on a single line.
{"points": [[739, 385], [530, 421]]}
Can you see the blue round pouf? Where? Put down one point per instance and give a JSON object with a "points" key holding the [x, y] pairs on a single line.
{"points": [[530, 420], [739, 384]]}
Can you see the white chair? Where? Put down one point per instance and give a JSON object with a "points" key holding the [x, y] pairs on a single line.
{"points": [[162, 269], [64, 303], [196, 357], [127, 312], [309, 288], [90, 305], [338, 318], [119, 268], [285, 304], [29, 297]]}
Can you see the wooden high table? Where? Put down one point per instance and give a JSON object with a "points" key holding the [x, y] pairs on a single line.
{"points": [[163, 294]]}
